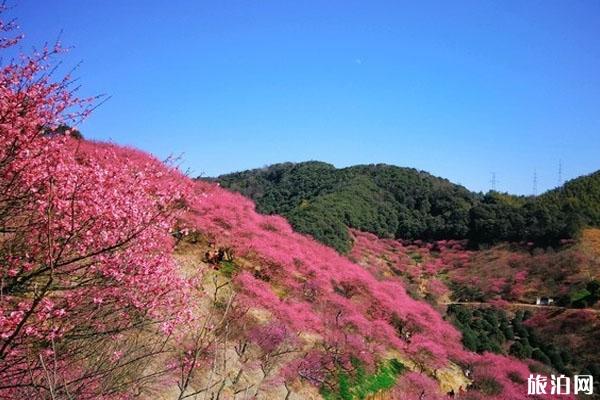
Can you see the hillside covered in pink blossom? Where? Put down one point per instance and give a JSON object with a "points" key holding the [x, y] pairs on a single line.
{"points": [[112, 287]]}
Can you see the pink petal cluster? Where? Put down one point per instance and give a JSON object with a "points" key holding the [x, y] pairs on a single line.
{"points": [[85, 248]]}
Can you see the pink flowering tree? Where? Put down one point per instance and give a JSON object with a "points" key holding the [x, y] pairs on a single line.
{"points": [[84, 243]]}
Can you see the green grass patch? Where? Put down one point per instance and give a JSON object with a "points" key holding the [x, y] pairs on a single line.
{"points": [[228, 268], [360, 384]]}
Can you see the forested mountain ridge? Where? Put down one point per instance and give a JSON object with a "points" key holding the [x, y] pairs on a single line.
{"points": [[390, 201]]}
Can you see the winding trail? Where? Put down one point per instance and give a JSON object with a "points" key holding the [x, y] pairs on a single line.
{"points": [[521, 305]]}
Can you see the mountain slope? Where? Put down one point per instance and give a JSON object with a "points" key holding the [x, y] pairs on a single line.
{"points": [[578, 198], [390, 201]]}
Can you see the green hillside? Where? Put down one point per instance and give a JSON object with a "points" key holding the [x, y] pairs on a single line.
{"points": [[321, 200]]}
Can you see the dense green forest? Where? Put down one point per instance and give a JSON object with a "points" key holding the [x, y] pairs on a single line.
{"points": [[321, 200], [490, 329]]}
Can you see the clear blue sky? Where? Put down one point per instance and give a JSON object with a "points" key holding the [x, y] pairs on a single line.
{"points": [[457, 88]]}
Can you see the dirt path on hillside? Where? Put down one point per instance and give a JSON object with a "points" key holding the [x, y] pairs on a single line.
{"points": [[522, 305]]}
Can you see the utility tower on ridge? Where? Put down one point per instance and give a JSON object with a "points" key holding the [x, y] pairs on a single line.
{"points": [[535, 182], [493, 181]]}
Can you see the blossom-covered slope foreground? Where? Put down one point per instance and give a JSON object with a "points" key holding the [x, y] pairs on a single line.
{"points": [[90, 287]]}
